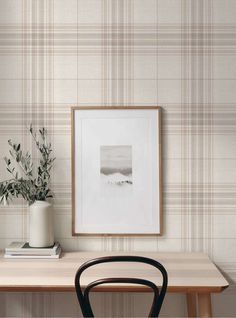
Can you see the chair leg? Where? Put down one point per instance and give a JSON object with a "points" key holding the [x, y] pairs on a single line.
{"points": [[191, 305]]}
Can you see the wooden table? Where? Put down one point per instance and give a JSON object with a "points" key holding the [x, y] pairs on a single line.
{"points": [[191, 273]]}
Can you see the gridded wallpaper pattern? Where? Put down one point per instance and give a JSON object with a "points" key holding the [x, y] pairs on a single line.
{"points": [[178, 54]]}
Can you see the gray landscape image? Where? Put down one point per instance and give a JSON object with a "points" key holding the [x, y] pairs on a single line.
{"points": [[116, 165]]}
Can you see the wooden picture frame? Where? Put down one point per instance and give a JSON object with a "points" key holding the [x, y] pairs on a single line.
{"points": [[112, 166]]}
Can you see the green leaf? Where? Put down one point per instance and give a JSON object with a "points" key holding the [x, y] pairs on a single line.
{"points": [[8, 161], [29, 186]]}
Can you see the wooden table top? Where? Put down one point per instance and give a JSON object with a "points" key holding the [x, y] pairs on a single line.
{"points": [[188, 272]]}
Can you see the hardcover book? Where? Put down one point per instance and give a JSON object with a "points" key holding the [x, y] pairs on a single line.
{"points": [[23, 248]]}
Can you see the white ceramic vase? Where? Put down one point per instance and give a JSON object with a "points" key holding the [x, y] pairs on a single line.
{"points": [[41, 224]]}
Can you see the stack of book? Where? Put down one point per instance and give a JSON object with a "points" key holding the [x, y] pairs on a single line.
{"points": [[23, 250]]}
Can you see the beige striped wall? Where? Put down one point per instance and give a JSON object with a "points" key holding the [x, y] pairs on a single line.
{"points": [[178, 54]]}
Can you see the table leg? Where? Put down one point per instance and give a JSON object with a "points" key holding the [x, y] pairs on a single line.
{"points": [[204, 305], [191, 305]]}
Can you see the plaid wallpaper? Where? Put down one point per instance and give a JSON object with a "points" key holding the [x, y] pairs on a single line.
{"points": [[178, 54]]}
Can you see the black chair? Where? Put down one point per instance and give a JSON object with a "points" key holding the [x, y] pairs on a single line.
{"points": [[83, 297]]}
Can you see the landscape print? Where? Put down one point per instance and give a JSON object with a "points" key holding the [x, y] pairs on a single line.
{"points": [[116, 165]]}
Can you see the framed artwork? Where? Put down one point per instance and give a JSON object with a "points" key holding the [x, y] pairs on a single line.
{"points": [[116, 171]]}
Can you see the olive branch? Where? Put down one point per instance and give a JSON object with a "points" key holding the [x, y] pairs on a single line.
{"points": [[24, 182]]}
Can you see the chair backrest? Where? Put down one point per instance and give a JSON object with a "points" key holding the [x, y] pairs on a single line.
{"points": [[83, 297]]}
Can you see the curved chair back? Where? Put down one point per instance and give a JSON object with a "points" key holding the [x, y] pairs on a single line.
{"points": [[158, 298]]}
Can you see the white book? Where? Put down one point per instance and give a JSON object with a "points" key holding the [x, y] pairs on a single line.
{"points": [[23, 248], [20, 256]]}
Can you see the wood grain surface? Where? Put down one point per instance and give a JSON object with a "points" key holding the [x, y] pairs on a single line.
{"points": [[188, 272]]}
